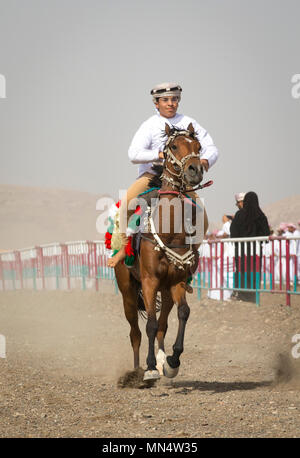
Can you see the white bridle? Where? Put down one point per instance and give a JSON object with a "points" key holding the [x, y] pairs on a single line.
{"points": [[172, 159]]}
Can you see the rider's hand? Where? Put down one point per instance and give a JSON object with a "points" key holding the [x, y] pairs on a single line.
{"points": [[161, 155], [205, 164]]}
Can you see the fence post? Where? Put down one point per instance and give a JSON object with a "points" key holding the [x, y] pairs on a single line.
{"points": [[89, 257], [33, 270], [65, 252], [40, 257], [2, 274], [18, 267], [272, 270], [96, 266], [222, 272], [210, 264], [258, 267], [56, 270], [287, 259], [280, 265], [199, 279], [295, 271], [240, 264], [264, 267], [81, 258]]}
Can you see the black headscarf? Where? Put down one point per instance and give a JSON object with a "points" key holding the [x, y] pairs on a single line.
{"points": [[250, 221], [252, 210]]}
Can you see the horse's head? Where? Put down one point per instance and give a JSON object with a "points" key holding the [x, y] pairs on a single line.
{"points": [[182, 166]]}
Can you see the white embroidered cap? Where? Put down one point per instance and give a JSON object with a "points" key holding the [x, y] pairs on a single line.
{"points": [[166, 90], [239, 197]]}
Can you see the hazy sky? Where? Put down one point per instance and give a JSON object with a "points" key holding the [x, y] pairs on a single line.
{"points": [[78, 76]]}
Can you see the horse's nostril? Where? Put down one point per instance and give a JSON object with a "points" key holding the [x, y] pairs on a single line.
{"points": [[193, 170]]}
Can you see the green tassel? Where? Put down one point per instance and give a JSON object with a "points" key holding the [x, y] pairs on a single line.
{"points": [[134, 222], [110, 228], [129, 260], [189, 280]]}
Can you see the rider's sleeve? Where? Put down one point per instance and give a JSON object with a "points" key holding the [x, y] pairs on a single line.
{"points": [[209, 150], [140, 150]]}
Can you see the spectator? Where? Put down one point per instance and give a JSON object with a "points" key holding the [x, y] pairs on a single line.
{"points": [[239, 200], [249, 221], [291, 229], [281, 229], [225, 231]]}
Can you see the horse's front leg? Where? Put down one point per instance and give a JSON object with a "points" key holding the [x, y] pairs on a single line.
{"points": [[150, 286], [166, 306], [171, 366]]}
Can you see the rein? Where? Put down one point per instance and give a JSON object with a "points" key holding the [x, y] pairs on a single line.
{"points": [[179, 193]]}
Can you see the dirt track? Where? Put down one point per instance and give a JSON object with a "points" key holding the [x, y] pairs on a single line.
{"points": [[66, 351]]}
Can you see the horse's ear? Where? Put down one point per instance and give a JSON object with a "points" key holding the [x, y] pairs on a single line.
{"points": [[191, 128], [167, 129]]}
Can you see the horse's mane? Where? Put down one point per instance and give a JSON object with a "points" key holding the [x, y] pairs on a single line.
{"points": [[175, 129], [155, 181]]}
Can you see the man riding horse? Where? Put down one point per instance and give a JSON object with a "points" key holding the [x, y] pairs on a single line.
{"points": [[167, 258], [147, 147]]}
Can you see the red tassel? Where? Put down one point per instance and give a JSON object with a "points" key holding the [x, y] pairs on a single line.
{"points": [[108, 240], [128, 249]]}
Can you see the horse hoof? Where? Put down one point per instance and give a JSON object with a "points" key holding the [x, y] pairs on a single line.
{"points": [[189, 289], [169, 371], [160, 361], [151, 375]]}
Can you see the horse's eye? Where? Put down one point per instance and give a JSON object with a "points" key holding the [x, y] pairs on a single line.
{"points": [[174, 147], [176, 167]]}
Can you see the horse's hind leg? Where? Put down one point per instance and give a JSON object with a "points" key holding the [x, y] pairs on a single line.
{"points": [[129, 291], [131, 313], [171, 366]]}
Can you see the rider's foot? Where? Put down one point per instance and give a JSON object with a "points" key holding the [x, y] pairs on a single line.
{"points": [[118, 257]]}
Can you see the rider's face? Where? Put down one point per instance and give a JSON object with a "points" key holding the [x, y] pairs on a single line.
{"points": [[167, 106]]}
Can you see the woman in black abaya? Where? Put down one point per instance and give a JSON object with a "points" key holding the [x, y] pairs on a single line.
{"points": [[250, 221]]}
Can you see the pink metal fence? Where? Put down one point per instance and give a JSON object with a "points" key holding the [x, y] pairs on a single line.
{"points": [[70, 265], [273, 267]]}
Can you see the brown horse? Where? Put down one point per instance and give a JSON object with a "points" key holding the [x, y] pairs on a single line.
{"points": [[167, 259]]}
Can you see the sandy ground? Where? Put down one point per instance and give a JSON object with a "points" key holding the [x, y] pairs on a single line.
{"points": [[66, 352]]}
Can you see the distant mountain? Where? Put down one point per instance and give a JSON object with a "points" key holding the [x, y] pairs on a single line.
{"points": [[31, 216], [285, 210]]}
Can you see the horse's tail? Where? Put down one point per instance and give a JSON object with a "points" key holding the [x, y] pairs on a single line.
{"points": [[141, 305]]}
